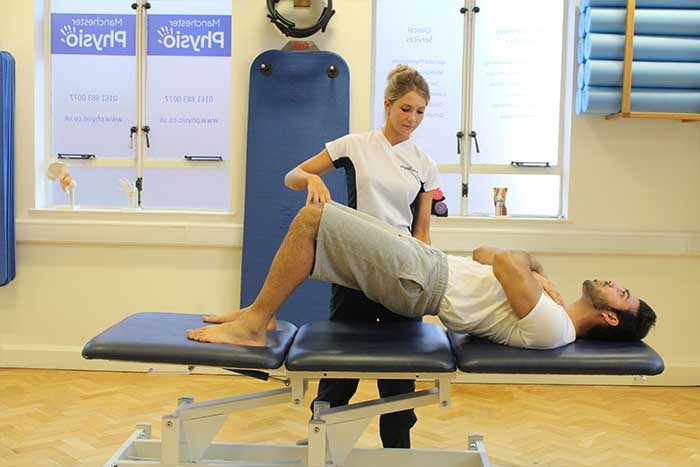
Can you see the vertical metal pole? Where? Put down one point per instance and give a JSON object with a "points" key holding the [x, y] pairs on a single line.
{"points": [[467, 85], [141, 54]]}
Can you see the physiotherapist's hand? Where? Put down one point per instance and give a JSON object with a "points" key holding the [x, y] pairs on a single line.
{"points": [[318, 191], [549, 288]]}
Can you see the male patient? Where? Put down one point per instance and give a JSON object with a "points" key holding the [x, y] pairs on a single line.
{"points": [[501, 295]]}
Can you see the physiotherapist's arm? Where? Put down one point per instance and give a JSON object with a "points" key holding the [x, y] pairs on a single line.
{"points": [[297, 178], [308, 175], [513, 270], [421, 219]]}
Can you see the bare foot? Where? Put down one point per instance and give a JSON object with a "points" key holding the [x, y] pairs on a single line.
{"points": [[249, 328], [235, 333], [223, 317], [232, 316]]}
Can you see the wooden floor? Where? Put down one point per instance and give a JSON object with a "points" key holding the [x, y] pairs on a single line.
{"points": [[78, 419]]}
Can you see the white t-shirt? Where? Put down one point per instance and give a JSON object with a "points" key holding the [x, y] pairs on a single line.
{"points": [[384, 180], [475, 302]]}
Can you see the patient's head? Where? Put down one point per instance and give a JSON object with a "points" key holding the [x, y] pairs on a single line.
{"points": [[622, 316]]}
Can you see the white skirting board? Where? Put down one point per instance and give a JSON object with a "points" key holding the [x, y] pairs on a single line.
{"points": [[69, 358]]}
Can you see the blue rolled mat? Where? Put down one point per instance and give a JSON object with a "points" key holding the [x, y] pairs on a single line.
{"points": [[580, 55], [649, 22], [7, 170], [644, 74], [582, 24], [579, 103], [608, 100], [581, 77], [646, 48], [294, 107], [681, 4]]}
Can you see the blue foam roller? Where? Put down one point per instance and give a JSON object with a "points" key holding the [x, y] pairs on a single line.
{"points": [[580, 55], [681, 4], [608, 100], [579, 93], [581, 77], [582, 24], [646, 22], [644, 74], [646, 48]]}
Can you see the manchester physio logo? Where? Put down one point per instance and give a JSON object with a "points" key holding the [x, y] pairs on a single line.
{"points": [[83, 34], [191, 35], [171, 39]]}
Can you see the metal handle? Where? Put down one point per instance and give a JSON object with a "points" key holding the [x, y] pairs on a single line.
{"points": [[76, 156], [529, 164], [195, 158]]}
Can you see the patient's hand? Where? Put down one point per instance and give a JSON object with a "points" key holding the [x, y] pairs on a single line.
{"points": [[549, 288]]}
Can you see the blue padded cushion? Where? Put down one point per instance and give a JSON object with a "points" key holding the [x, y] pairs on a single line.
{"points": [[582, 357], [356, 346], [161, 338]]}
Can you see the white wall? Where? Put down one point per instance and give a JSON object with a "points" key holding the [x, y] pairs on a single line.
{"points": [[634, 187]]}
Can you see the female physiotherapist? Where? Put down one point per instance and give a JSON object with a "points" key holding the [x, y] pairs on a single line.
{"points": [[389, 177]]}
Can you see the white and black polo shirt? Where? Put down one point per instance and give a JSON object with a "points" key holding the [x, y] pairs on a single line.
{"points": [[384, 180]]}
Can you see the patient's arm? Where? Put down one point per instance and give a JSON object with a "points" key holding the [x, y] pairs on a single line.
{"points": [[485, 255], [513, 269], [549, 288]]}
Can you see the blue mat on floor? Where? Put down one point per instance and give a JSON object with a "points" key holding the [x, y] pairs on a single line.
{"points": [[7, 203], [294, 108]]}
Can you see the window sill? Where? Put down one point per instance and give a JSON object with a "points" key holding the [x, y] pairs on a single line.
{"points": [[541, 235], [129, 226], [454, 235], [490, 220], [141, 214]]}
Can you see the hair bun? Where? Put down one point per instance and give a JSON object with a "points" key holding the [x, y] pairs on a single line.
{"points": [[401, 68]]}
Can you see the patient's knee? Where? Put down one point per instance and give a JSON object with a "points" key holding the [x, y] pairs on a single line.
{"points": [[308, 218]]}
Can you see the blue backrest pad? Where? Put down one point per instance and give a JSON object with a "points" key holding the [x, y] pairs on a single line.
{"points": [[293, 110]]}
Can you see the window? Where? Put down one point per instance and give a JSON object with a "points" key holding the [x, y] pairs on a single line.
{"points": [[500, 73], [141, 94]]}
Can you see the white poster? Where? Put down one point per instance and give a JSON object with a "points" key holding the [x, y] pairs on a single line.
{"points": [[517, 81], [93, 76], [189, 82], [429, 37]]}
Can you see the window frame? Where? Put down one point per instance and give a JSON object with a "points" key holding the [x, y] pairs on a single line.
{"points": [[140, 161], [465, 167]]}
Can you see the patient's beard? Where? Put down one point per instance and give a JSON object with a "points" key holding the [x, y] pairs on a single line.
{"points": [[597, 300]]}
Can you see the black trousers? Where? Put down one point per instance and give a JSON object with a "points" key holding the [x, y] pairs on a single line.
{"points": [[394, 428]]}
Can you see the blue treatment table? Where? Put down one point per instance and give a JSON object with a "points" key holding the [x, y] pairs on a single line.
{"points": [[398, 350]]}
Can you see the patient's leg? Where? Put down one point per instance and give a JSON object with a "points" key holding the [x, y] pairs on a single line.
{"points": [[290, 267]]}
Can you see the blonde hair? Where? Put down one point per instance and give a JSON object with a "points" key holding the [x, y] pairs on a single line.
{"points": [[402, 80]]}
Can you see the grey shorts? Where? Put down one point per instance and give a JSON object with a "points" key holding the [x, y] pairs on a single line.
{"points": [[391, 267]]}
